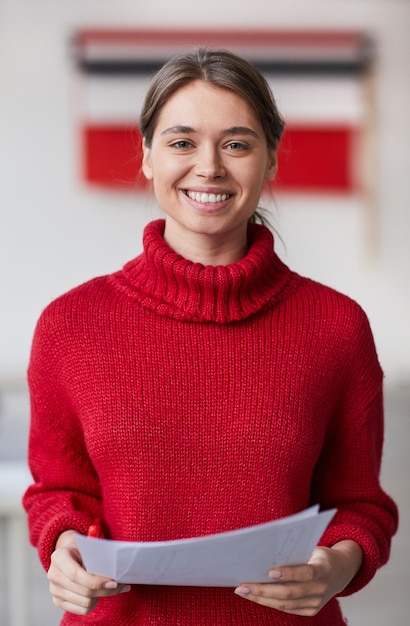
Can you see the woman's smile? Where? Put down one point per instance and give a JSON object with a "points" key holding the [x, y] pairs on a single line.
{"points": [[207, 198], [207, 202]]}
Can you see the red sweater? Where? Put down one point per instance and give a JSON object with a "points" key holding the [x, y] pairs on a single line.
{"points": [[175, 400]]}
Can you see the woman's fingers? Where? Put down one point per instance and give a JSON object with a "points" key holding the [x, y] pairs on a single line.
{"points": [[297, 589], [73, 588], [85, 601], [287, 583], [305, 589], [296, 598], [71, 601]]}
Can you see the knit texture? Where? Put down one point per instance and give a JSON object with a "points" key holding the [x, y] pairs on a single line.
{"points": [[175, 400]]}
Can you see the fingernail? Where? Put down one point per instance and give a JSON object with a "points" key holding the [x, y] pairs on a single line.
{"points": [[242, 591], [111, 584], [126, 589], [274, 574]]}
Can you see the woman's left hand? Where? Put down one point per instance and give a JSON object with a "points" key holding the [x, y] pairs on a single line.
{"points": [[305, 589]]}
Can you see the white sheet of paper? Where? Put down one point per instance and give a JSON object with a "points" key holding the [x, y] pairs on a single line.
{"points": [[223, 560]]}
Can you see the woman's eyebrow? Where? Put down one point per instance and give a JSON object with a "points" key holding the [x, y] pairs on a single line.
{"points": [[178, 129], [186, 130], [241, 130]]}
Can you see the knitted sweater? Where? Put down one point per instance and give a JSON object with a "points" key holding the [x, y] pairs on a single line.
{"points": [[172, 399]]}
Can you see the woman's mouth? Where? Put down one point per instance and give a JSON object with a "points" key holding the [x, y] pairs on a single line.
{"points": [[205, 198]]}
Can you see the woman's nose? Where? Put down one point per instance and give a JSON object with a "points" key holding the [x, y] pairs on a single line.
{"points": [[209, 163]]}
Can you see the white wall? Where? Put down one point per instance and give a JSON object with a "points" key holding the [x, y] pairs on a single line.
{"points": [[56, 233]]}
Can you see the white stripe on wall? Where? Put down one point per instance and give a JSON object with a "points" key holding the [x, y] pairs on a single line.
{"points": [[318, 100]]}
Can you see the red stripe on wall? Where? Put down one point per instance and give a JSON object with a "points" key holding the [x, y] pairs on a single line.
{"points": [[240, 37], [312, 159]]}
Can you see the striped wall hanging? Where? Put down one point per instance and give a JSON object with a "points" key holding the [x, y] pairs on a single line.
{"points": [[321, 81]]}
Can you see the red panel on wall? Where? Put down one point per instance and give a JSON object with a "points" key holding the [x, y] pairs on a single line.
{"points": [[317, 158], [112, 155], [310, 158]]}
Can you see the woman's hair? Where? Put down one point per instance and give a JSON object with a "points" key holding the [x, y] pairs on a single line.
{"points": [[223, 69]]}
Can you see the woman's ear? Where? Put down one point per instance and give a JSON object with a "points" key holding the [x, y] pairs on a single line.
{"points": [[146, 161], [272, 166]]}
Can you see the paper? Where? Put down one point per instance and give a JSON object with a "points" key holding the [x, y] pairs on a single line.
{"points": [[223, 560]]}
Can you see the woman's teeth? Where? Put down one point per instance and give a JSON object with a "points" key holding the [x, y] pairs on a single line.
{"points": [[207, 197]]}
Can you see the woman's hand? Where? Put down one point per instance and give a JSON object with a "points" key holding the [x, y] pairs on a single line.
{"points": [[73, 589], [305, 589]]}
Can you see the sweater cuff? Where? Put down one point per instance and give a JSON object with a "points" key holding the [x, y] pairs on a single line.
{"points": [[51, 532], [371, 556]]}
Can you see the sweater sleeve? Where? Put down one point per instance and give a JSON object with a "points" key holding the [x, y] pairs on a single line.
{"points": [[65, 493], [347, 476]]}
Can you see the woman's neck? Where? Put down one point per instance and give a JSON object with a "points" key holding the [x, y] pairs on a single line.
{"points": [[208, 249]]}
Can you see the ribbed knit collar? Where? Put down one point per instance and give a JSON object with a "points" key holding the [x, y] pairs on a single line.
{"points": [[166, 282]]}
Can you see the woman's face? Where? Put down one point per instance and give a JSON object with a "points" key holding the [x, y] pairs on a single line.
{"points": [[208, 162]]}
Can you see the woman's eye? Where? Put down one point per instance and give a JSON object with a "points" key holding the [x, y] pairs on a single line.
{"points": [[181, 144], [236, 145]]}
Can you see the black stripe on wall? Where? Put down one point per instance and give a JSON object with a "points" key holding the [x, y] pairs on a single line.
{"points": [[332, 67]]}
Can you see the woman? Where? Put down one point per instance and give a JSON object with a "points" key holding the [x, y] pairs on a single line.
{"points": [[205, 386]]}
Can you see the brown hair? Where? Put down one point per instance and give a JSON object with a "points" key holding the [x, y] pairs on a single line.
{"points": [[221, 68]]}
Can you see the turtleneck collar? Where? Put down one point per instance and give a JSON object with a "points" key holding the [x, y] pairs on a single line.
{"points": [[166, 282]]}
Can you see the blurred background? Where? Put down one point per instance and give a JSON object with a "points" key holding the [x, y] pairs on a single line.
{"points": [[61, 223]]}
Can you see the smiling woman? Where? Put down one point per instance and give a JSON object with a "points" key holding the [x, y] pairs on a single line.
{"points": [[205, 386]]}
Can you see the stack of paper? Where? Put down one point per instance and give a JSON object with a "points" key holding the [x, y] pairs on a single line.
{"points": [[223, 560]]}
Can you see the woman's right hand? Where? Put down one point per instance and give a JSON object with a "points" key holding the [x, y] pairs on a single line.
{"points": [[73, 589]]}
